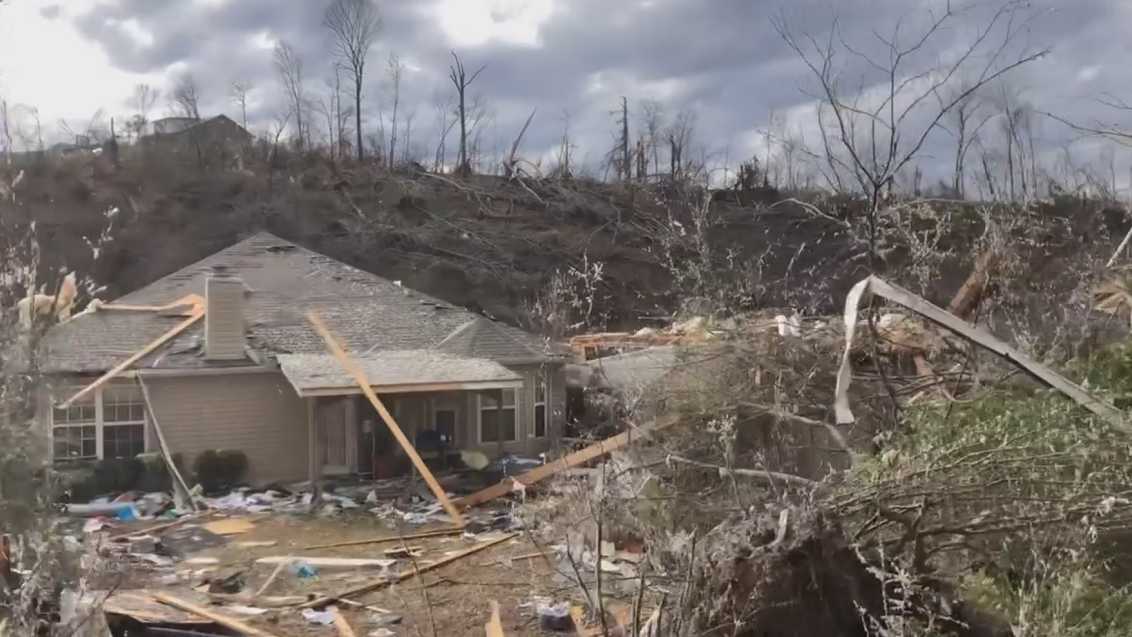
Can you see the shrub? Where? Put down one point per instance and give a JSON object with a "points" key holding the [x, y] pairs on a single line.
{"points": [[219, 469]]}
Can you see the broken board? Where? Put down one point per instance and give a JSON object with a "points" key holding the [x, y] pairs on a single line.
{"points": [[328, 562], [229, 526]]}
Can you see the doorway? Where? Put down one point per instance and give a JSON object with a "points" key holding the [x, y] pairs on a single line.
{"points": [[336, 436]]}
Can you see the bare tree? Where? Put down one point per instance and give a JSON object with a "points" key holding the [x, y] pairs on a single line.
{"points": [[461, 80], [679, 136], [6, 130], [444, 123], [882, 135], [186, 97], [290, 68], [407, 154], [511, 164], [626, 161], [394, 69], [239, 94], [565, 148], [968, 117], [142, 101], [652, 117], [354, 24]]}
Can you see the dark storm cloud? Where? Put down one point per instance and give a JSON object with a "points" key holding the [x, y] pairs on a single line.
{"points": [[721, 59]]}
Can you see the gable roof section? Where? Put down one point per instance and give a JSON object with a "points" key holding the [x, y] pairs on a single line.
{"points": [[368, 313]]}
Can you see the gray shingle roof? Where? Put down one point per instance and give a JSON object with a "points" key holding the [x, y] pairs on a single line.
{"points": [[367, 312]]}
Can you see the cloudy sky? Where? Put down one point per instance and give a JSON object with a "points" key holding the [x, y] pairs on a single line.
{"points": [[721, 59]]}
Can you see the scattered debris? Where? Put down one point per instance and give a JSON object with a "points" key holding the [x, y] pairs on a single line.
{"points": [[555, 617], [403, 575], [320, 617]]}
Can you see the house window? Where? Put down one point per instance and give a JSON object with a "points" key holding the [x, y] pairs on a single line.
{"points": [[123, 421], [74, 430], [541, 390], [107, 423], [497, 424]]}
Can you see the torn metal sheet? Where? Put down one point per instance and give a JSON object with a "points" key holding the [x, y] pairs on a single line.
{"points": [[946, 320]]}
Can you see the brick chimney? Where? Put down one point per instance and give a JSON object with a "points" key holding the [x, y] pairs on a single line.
{"points": [[224, 319]]}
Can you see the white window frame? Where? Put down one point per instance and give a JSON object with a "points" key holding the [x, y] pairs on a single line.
{"points": [[514, 408], [542, 381], [106, 424], [96, 423], [99, 424]]}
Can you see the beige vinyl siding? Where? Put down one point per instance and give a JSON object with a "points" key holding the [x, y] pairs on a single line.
{"points": [[257, 413]]}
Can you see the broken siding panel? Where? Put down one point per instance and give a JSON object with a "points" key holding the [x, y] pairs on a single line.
{"points": [[259, 414]]}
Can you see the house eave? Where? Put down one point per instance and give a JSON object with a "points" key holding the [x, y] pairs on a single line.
{"points": [[412, 388]]}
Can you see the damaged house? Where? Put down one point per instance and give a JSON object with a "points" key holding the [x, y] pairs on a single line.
{"points": [[253, 375]]}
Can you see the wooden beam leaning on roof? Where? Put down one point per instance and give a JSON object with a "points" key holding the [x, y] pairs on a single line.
{"points": [[196, 314], [360, 378], [582, 456], [189, 299]]}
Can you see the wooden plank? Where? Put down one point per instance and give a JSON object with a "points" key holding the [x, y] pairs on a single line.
{"points": [[230, 526], [223, 620], [327, 562], [153, 529], [948, 321], [197, 314], [363, 383], [144, 609], [188, 299], [340, 623], [383, 540], [542, 472], [494, 625], [407, 573], [182, 497]]}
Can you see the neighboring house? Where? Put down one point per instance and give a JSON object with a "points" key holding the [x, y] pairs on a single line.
{"points": [[214, 141], [254, 376], [170, 125]]}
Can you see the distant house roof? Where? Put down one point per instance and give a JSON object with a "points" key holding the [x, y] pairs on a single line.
{"points": [[396, 371], [368, 313], [172, 126]]}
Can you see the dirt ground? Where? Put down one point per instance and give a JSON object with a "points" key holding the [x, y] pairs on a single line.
{"points": [[453, 599]]}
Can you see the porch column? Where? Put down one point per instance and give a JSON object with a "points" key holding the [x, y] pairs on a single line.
{"points": [[314, 463], [499, 419]]}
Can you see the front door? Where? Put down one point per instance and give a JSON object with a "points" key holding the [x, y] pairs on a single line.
{"points": [[336, 436]]}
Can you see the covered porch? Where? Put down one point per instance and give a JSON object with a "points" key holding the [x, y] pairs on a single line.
{"points": [[442, 404]]}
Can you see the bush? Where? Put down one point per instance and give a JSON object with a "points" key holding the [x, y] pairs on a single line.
{"points": [[219, 469]]}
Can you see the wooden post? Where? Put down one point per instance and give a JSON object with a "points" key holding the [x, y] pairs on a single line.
{"points": [[314, 464], [499, 420], [363, 383]]}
